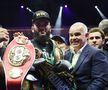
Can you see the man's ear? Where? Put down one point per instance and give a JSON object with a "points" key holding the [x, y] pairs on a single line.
{"points": [[32, 30], [103, 41], [87, 35]]}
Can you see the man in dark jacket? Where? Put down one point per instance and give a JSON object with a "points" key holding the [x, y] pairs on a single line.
{"points": [[89, 64]]}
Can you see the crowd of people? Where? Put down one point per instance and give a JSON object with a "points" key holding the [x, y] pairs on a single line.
{"points": [[80, 65]]}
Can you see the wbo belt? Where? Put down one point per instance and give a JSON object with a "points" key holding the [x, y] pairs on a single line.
{"points": [[17, 60]]}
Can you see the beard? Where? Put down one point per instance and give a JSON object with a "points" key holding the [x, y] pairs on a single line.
{"points": [[41, 38]]}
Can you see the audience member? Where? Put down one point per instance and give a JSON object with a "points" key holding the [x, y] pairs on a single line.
{"points": [[96, 37], [61, 43], [104, 26], [89, 64], [4, 38]]}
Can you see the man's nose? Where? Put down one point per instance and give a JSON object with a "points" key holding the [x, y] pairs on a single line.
{"points": [[94, 41], [73, 37], [42, 28]]}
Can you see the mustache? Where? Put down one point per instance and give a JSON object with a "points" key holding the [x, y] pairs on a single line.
{"points": [[40, 37]]}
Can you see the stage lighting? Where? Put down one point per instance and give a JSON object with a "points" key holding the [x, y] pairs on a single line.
{"points": [[65, 5], [29, 10], [22, 6], [100, 13], [95, 6], [58, 23]]}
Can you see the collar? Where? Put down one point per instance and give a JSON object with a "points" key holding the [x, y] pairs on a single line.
{"points": [[80, 50]]}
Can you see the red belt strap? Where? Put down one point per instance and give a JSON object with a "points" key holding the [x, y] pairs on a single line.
{"points": [[17, 60]]}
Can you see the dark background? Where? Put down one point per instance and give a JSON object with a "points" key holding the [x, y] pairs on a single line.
{"points": [[11, 15]]}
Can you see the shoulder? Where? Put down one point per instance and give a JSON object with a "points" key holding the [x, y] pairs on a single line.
{"points": [[97, 53], [92, 49], [92, 52]]}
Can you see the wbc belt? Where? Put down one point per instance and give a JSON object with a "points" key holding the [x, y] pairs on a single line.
{"points": [[17, 60]]}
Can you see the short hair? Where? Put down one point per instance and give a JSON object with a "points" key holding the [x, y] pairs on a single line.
{"points": [[80, 25], [96, 29], [60, 39], [103, 24], [105, 30]]}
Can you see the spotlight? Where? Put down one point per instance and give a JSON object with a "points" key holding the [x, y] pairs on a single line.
{"points": [[100, 12], [58, 21], [96, 6], [22, 6], [61, 7], [65, 5], [29, 10]]}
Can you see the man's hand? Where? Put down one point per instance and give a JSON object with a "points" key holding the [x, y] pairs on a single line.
{"points": [[4, 35]]}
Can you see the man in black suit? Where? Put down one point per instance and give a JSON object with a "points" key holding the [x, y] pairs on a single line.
{"points": [[89, 64]]}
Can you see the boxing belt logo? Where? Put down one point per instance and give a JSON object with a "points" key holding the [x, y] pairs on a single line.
{"points": [[18, 55]]}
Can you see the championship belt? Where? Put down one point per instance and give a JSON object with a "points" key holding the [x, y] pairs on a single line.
{"points": [[57, 81], [17, 60]]}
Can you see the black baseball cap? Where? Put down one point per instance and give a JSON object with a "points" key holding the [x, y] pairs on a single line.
{"points": [[40, 14], [59, 38]]}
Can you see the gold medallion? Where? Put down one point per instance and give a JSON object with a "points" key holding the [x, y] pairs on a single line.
{"points": [[18, 55]]}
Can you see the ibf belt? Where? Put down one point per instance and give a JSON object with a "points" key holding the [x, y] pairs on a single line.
{"points": [[17, 60]]}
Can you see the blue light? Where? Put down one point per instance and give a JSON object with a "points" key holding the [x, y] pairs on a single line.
{"points": [[22, 6], [66, 6]]}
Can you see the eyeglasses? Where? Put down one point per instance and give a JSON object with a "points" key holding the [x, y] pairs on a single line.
{"points": [[96, 37]]}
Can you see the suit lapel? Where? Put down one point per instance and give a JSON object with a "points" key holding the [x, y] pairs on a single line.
{"points": [[69, 55], [81, 58]]}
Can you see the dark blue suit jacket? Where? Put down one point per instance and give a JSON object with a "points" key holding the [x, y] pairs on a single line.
{"points": [[91, 70]]}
